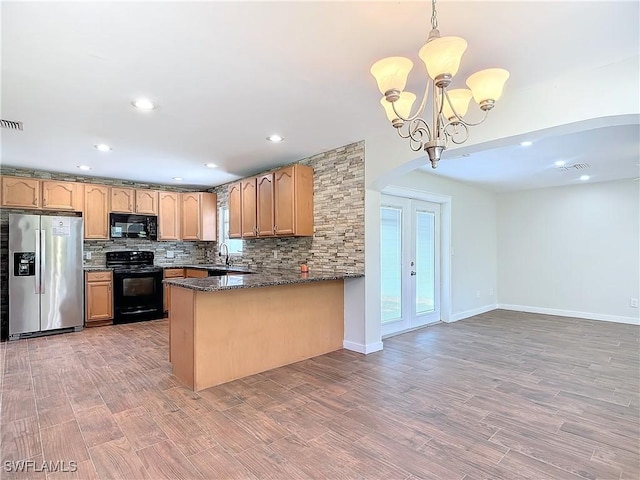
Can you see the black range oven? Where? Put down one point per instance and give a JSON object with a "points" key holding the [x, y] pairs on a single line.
{"points": [[137, 286]]}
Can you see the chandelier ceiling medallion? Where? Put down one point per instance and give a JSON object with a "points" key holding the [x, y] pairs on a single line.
{"points": [[441, 56]]}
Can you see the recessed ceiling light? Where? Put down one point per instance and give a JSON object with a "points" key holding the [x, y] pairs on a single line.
{"points": [[84, 167], [526, 144], [178, 179], [143, 104], [211, 165], [559, 163], [275, 138], [102, 147], [584, 178]]}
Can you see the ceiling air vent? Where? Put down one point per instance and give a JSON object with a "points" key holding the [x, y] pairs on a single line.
{"points": [[575, 166], [10, 124]]}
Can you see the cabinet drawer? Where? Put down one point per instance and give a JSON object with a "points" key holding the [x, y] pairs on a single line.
{"points": [[173, 272], [196, 273], [98, 276]]}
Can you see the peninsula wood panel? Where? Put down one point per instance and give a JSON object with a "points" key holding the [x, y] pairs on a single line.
{"points": [[240, 332]]}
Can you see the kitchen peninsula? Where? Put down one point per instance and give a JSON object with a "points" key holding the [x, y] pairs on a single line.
{"points": [[228, 327]]}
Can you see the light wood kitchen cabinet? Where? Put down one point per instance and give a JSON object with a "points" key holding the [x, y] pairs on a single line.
{"points": [[96, 212], [199, 216], [99, 298], [62, 195], [293, 200], [249, 213], [170, 273], [169, 215], [147, 202], [264, 205], [122, 199], [20, 192], [235, 210], [195, 273]]}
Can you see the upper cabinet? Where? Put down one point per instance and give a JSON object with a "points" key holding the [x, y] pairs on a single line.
{"points": [[20, 192], [278, 203], [147, 202], [169, 215], [293, 200], [96, 212], [249, 214], [235, 210], [264, 205], [62, 195], [122, 199], [199, 216]]}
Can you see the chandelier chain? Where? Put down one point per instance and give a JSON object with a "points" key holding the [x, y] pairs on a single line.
{"points": [[434, 15]]}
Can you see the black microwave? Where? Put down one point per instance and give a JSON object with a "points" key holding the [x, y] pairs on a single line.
{"points": [[125, 225]]}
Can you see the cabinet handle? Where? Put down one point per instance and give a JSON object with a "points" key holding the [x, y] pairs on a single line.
{"points": [[35, 201], [130, 207], [275, 228], [44, 202]]}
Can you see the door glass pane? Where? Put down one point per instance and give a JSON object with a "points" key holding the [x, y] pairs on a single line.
{"points": [[425, 262], [391, 263]]}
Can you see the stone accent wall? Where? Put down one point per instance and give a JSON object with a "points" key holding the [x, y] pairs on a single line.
{"points": [[338, 241]]}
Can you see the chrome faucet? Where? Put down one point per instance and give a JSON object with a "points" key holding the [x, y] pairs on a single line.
{"points": [[227, 260]]}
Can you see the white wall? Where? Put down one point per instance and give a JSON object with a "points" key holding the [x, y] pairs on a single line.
{"points": [[473, 241], [571, 251]]}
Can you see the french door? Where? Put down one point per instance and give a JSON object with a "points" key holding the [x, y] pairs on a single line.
{"points": [[410, 264]]}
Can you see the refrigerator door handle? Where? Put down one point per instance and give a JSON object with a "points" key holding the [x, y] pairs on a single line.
{"points": [[43, 238], [37, 278]]}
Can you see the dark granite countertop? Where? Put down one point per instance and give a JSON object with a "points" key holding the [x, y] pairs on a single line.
{"points": [[210, 266], [267, 278]]}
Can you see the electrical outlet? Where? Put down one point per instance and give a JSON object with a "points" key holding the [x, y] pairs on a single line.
{"points": [[170, 254], [275, 254], [634, 303], [87, 255], [478, 294]]}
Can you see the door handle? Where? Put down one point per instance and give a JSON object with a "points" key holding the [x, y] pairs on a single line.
{"points": [[42, 257], [413, 274], [37, 279]]}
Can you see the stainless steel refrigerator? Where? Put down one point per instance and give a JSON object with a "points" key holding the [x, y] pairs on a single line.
{"points": [[45, 274]]}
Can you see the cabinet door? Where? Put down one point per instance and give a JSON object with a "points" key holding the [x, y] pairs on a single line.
{"points": [[190, 216], [96, 212], [235, 210], [249, 216], [264, 204], [122, 199], [61, 195], [147, 202], [20, 192], [169, 216], [208, 217], [284, 204], [170, 273], [99, 301]]}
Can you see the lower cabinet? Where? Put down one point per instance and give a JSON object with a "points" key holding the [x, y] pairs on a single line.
{"points": [[98, 298], [170, 273]]}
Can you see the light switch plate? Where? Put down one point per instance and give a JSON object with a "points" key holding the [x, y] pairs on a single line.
{"points": [[87, 255], [170, 254]]}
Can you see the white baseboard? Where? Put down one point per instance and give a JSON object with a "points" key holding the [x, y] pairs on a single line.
{"points": [[571, 313], [360, 348], [470, 313]]}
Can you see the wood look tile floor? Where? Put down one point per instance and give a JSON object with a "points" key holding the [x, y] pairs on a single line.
{"points": [[503, 395]]}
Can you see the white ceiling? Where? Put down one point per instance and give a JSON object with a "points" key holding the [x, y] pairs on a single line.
{"points": [[227, 74]]}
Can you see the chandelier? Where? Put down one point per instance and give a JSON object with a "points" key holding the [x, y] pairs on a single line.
{"points": [[441, 56]]}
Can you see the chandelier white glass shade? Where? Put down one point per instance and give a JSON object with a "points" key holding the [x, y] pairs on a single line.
{"points": [[441, 56]]}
